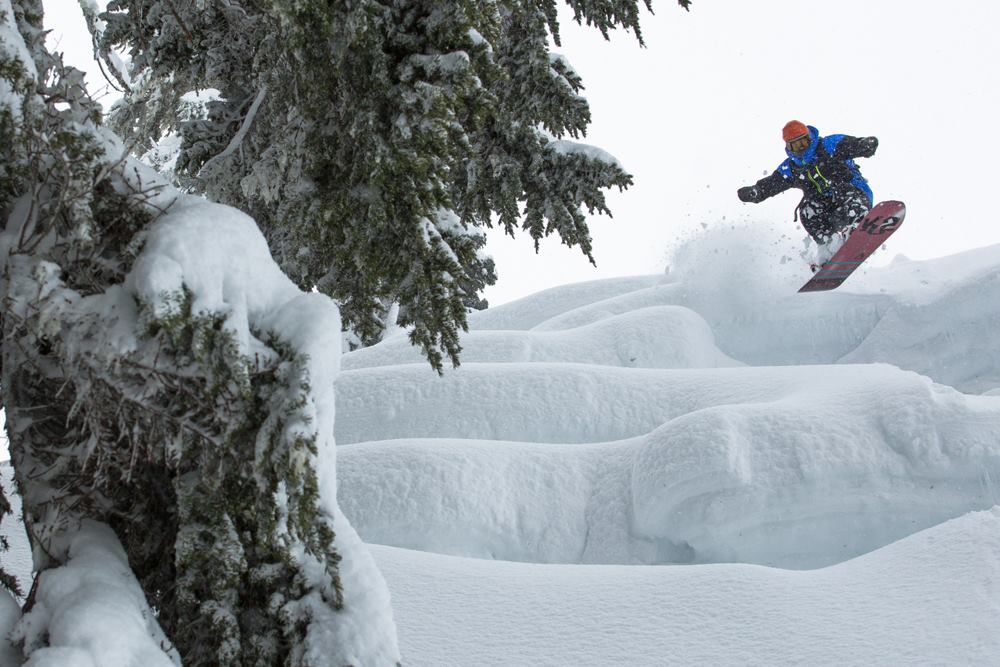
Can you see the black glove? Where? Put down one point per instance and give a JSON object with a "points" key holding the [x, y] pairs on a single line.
{"points": [[750, 193], [868, 146]]}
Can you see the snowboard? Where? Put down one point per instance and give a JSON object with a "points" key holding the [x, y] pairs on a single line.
{"points": [[873, 230]]}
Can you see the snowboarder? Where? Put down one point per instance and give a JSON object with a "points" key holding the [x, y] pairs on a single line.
{"points": [[835, 194]]}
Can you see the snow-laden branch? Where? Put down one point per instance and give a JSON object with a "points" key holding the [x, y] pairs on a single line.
{"points": [[240, 135], [102, 55], [86, 602], [587, 151], [217, 254]]}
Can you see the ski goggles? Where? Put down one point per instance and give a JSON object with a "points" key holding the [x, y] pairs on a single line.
{"points": [[799, 144]]}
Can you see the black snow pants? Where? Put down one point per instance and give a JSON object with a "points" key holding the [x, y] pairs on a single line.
{"points": [[822, 217]]}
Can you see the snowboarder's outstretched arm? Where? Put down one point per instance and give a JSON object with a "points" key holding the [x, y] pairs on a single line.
{"points": [[851, 147], [766, 187]]}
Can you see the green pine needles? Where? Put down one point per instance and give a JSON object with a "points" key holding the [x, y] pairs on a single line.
{"points": [[373, 141], [249, 537]]}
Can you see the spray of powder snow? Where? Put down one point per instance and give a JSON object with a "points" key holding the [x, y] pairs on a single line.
{"points": [[734, 268]]}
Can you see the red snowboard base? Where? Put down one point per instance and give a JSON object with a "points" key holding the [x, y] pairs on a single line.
{"points": [[884, 219]]}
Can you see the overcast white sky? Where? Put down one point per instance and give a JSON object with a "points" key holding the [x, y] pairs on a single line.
{"points": [[699, 112]]}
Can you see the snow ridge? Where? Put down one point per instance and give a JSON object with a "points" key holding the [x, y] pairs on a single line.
{"points": [[608, 435], [628, 430]]}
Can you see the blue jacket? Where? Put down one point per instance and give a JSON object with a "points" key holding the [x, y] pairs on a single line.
{"points": [[825, 170]]}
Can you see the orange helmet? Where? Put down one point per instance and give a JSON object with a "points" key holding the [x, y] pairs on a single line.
{"points": [[793, 129]]}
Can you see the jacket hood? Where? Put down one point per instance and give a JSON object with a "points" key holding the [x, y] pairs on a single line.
{"points": [[810, 155]]}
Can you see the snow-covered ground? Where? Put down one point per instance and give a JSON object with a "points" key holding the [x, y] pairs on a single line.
{"points": [[615, 437], [699, 467], [930, 599]]}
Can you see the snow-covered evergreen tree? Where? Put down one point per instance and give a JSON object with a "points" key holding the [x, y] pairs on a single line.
{"points": [[161, 376], [163, 379], [373, 140]]}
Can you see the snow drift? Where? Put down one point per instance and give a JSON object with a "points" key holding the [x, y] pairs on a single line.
{"points": [[552, 445], [757, 465], [929, 599]]}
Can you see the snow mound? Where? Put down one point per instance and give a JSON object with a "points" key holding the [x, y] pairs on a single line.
{"points": [[940, 325], [481, 498], [772, 475], [725, 272], [545, 447], [821, 476], [654, 337], [929, 599], [935, 317], [784, 329], [541, 402], [663, 294], [525, 313]]}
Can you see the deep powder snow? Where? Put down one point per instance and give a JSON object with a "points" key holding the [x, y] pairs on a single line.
{"points": [[700, 467]]}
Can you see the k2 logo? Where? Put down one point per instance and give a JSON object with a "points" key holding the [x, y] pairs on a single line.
{"points": [[879, 225]]}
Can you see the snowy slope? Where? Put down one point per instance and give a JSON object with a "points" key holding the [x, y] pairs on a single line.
{"points": [[568, 454], [927, 600], [597, 432]]}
